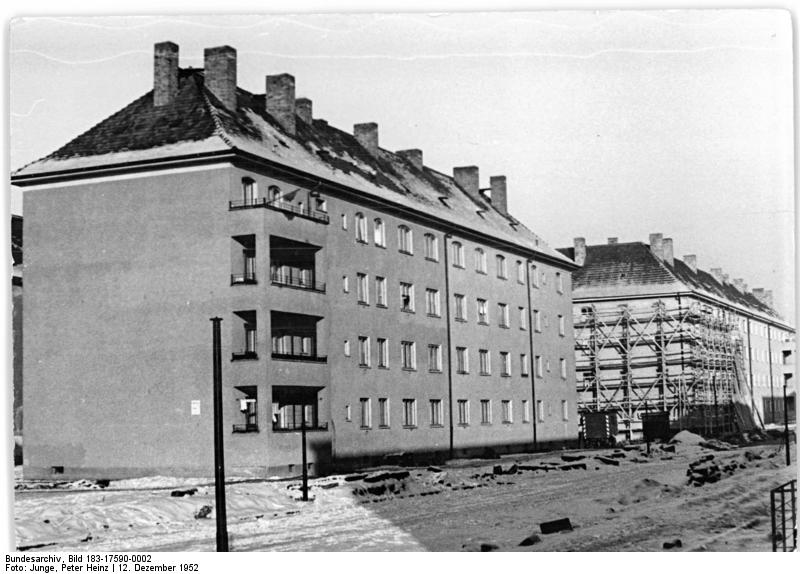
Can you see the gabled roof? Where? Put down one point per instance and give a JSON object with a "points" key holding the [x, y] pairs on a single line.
{"points": [[196, 123], [631, 269]]}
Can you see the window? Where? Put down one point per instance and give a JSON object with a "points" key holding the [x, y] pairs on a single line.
{"points": [[362, 288], [502, 270], [275, 194], [380, 291], [559, 283], [562, 367], [431, 247], [407, 297], [458, 254], [348, 414], [526, 411], [480, 260], [502, 312], [361, 228], [363, 351], [523, 318], [249, 191], [436, 412], [462, 360], [409, 412], [405, 240], [244, 340], [520, 272], [483, 314], [379, 233], [463, 412], [505, 364], [561, 325], [538, 365], [321, 204], [535, 275], [346, 348], [507, 411], [537, 321], [484, 362], [523, 364], [344, 221], [408, 352], [383, 413], [383, 354], [486, 412], [564, 410], [248, 407], [432, 302], [540, 411], [547, 365], [435, 358], [460, 307], [345, 284], [366, 414]]}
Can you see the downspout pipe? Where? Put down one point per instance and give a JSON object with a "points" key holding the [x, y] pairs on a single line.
{"points": [[532, 357]]}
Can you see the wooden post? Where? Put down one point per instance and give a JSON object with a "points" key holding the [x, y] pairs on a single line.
{"points": [[219, 459]]}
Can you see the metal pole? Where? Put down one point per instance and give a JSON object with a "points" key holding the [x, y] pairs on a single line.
{"points": [[786, 426], [219, 459], [716, 405], [305, 463]]}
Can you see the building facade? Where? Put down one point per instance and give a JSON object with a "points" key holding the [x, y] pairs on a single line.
{"points": [[657, 334], [389, 309]]}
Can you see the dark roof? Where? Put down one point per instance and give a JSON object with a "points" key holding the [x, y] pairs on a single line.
{"points": [[197, 123], [627, 269]]}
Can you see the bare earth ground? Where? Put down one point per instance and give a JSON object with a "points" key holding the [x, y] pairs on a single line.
{"points": [[635, 506]]}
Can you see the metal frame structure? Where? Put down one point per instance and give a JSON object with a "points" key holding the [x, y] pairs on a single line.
{"points": [[684, 358]]}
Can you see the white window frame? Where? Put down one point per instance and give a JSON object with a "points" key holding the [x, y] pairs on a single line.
{"points": [[483, 311], [409, 413], [361, 227], [362, 288], [460, 304], [431, 247], [405, 239], [486, 411], [458, 254], [379, 232], [480, 260], [505, 364], [434, 358], [384, 413], [363, 351], [505, 319], [408, 354], [432, 302], [409, 287], [562, 367], [380, 292], [484, 362], [383, 353], [526, 411], [523, 364], [463, 412], [507, 411], [462, 360], [436, 412]]}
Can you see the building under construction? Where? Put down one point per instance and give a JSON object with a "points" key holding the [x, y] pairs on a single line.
{"points": [[659, 339]]}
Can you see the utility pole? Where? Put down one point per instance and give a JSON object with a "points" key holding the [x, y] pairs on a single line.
{"points": [[786, 426], [219, 459], [305, 463]]}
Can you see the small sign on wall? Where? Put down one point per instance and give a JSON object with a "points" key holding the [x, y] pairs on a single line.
{"points": [[195, 408]]}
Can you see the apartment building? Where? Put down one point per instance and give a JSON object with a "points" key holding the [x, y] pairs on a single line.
{"points": [[659, 334], [386, 307]]}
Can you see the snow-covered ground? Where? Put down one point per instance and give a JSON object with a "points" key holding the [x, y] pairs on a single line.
{"points": [[637, 504]]}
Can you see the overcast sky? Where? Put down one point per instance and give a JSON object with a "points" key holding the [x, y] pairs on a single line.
{"points": [[605, 123]]}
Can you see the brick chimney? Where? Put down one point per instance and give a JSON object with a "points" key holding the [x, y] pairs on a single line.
{"points": [[220, 74], [412, 156], [739, 284], [613, 240], [725, 277], [304, 109], [165, 73], [691, 262], [499, 196], [367, 136], [758, 293], [768, 299], [717, 273], [657, 245], [467, 179], [580, 250], [669, 256], [280, 100]]}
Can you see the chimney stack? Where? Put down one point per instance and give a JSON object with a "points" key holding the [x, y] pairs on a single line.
{"points": [[499, 194], [303, 106], [691, 262], [412, 156], [580, 250], [739, 284], [769, 301], [220, 74], [725, 277], [165, 73], [467, 179], [280, 100], [758, 293], [367, 136], [613, 240], [669, 256], [657, 245], [717, 273]]}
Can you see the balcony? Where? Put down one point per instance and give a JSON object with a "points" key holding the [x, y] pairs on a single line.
{"points": [[247, 427], [276, 427], [278, 205], [300, 357], [243, 279], [296, 281]]}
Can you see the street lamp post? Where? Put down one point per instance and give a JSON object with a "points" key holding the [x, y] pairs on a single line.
{"points": [[219, 459]]}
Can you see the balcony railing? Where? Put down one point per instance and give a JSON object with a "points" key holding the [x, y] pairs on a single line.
{"points": [[307, 358], [278, 205], [243, 279], [244, 356], [287, 280], [297, 427], [247, 427]]}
